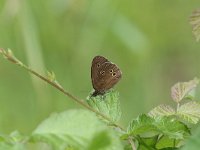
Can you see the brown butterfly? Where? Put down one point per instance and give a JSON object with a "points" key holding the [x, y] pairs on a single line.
{"points": [[104, 75]]}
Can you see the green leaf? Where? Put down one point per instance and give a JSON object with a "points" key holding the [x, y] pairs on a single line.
{"points": [[128, 147], [78, 129], [166, 142], [143, 147], [168, 126], [147, 143], [142, 124], [171, 127], [195, 22], [169, 148], [181, 90], [108, 104], [100, 141], [124, 136], [162, 110], [189, 112], [193, 143], [150, 141], [14, 141], [16, 146]]}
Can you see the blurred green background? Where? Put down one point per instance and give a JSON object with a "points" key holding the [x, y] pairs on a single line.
{"points": [[151, 41]]}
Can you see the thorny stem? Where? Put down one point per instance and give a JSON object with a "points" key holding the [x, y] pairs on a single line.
{"points": [[11, 58]]}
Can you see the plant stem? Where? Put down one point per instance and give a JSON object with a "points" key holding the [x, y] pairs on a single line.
{"points": [[61, 89], [177, 107], [56, 85], [130, 140], [9, 56]]}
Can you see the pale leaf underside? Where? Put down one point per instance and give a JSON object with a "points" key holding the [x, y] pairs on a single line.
{"points": [[162, 110], [180, 90], [195, 22], [189, 112]]}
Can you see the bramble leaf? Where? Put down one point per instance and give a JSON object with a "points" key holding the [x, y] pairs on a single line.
{"points": [[14, 141], [142, 124], [195, 22], [166, 142], [189, 112], [162, 110], [14, 146], [108, 104], [193, 143], [171, 127], [78, 129], [181, 90], [100, 141], [147, 141], [167, 126]]}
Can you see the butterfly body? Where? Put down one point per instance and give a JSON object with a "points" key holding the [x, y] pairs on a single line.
{"points": [[104, 75]]}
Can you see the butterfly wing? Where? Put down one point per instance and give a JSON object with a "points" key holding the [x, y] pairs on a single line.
{"points": [[109, 75], [97, 63], [104, 74]]}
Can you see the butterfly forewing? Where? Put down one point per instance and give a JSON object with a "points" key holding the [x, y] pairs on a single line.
{"points": [[95, 70], [104, 74]]}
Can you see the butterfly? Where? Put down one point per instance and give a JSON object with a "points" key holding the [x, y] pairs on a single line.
{"points": [[104, 75]]}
